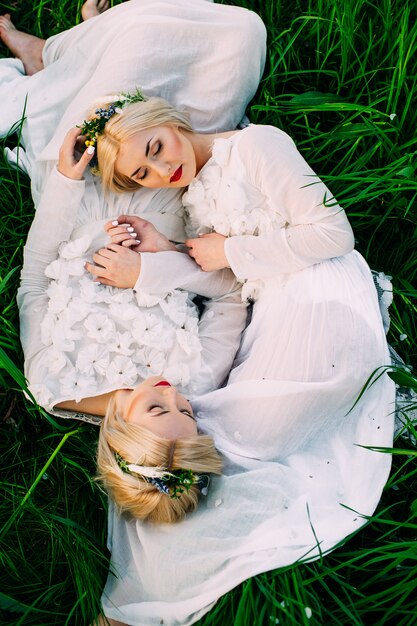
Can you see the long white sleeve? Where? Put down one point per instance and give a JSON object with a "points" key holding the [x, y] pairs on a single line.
{"points": [[224, 316], [161, 272], [53, 223], [316, 227]]}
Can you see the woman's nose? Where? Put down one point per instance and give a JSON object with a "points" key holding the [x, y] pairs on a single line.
{"points": [[170, 393], [162, 168]]}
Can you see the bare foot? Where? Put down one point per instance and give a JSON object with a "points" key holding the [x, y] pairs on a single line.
{"points": [[91, 8], [25, 47]]}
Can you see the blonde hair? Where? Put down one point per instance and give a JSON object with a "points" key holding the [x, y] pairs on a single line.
{"points": [[133, 493], [121, 126]]}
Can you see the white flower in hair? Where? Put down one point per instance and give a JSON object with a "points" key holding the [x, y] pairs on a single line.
{"points": [[146, 471]]}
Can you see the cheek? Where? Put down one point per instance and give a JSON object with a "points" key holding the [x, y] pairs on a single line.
{"points": [[177, 144]]}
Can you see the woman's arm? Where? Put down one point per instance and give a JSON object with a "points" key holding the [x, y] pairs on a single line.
{"points": [[53, 223], [316, 227], [148, 262]]}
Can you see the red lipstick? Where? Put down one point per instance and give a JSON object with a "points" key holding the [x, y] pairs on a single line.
{"points": [[176, 175], [163, 383]]}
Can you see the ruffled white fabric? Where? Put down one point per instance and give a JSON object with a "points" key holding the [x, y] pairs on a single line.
{"points": [[100, 338], [219, 203]]}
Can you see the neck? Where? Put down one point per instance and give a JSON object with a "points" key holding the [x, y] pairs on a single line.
{"points": [[203, 146]]}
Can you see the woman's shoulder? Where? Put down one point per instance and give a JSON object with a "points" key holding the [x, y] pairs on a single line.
{"points": [[261, 141], [255, 133]]}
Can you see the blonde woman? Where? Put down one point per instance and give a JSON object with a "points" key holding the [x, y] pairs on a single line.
{"points": [[295, 432], [205, 56]]}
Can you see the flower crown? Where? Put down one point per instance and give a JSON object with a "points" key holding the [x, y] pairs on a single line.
{"points": [[172, 483], [94, 127]]}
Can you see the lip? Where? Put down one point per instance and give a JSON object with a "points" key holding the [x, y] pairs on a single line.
{"points": [[163, 383], [176, 175]]}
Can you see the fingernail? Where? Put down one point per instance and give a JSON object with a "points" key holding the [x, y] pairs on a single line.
{"points": [[115, 223], [133, 234], [130, 229], [91, 150], [137, 240]]}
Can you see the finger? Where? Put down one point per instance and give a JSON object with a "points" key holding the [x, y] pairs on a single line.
{"points": [[96, 270], [86, 157], [67, 148], [113, 227], [105, 281], [130, 243], [133, 220], [118, 239], [71, 137], [114, 247], [103, 260], [124, 219]]}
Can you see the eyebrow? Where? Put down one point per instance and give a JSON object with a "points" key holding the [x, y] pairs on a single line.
{"points": [[146, 154]]}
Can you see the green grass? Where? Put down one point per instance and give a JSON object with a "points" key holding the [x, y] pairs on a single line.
{"points": [[336, 74]]}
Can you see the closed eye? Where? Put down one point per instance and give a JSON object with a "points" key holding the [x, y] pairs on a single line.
{"points": [[158, 147], [155, 406], [142, 174]]}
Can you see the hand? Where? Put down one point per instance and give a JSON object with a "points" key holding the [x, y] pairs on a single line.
{"points": [[208, 251], [115, 266], [142, 236], [68, 164]]}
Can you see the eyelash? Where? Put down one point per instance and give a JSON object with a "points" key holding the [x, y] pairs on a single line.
{"points": [[185, 411]]}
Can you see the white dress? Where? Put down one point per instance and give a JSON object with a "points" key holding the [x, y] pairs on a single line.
{"points": [[299, 476], [207, 58], [82, 339]]}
